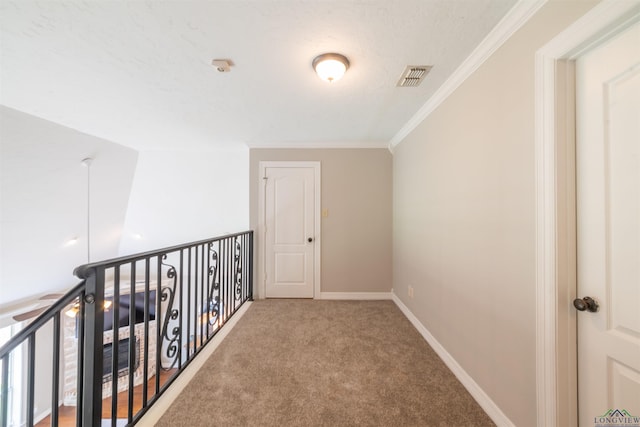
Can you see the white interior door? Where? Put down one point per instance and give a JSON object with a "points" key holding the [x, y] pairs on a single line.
{"points": [[608, 226], [290, 231]]}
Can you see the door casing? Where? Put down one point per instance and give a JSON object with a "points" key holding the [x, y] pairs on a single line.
{"points": [[556, 352], [317, 242]]}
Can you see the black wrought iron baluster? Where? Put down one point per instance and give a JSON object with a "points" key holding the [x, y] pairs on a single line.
{"points": [[223, 279], [230, 253], [223, 292], [251, 266], [79, 376], [132, 341], [145, 349], [208, 299], [230, 267], [222, 307], [115, 346], [244, 261], [55, 371], [181, 305], [196, 311], [202, 302], [159, 318], [31, 379], [232, 279], [4, 391], [188, 303], [172, 338]]}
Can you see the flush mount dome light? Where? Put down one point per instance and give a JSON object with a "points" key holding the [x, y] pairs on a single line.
{"points": [[330, 66]]}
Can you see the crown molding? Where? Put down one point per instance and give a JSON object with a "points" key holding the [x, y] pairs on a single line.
{"points": [[318, 144], [510, 23]]}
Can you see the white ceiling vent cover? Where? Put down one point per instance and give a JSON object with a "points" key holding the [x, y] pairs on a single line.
{"points": [[413, 75]]}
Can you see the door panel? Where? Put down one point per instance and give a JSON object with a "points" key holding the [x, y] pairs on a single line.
{"points": [[608, 225], [290, 268], [623, 150], [289, 209], [625, 385], [290, 223]]}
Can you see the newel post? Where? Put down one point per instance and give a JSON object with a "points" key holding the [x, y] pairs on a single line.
{"points": [[93, 351]]}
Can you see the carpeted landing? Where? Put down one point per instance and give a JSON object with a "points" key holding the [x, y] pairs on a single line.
{"points": [[324, 363]]}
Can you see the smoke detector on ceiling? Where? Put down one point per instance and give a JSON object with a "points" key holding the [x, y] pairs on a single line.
{"points": [[222, 65], [413, 75]]}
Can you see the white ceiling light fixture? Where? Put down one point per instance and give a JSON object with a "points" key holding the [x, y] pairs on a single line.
{"points": [[330, 66]]}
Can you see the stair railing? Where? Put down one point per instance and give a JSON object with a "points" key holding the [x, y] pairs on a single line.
{"points": [[129, 328]]}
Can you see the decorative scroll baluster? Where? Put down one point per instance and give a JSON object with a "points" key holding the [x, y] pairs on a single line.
{"points": [[238, 268], [213, 299], [169, 293]]}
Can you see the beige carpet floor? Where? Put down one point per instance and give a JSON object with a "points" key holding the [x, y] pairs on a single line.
{"points": [[324, 363]]}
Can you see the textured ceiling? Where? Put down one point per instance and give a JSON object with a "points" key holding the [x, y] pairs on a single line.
{"points": [[138, 72]]}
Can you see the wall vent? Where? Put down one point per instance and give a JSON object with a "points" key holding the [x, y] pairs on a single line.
{"points": [[413, 75]]}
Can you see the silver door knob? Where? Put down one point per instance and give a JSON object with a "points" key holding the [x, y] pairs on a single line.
{"points": [[586, 304]]}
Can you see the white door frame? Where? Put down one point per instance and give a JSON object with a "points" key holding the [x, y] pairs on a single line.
{"points": [[555, 284], [317, 241]]}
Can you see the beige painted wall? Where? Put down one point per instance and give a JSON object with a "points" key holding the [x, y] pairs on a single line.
{"points": [[464, 225], [356, 236]]}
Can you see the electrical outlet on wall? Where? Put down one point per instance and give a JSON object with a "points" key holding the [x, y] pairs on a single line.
{"points": [[410, 291]]}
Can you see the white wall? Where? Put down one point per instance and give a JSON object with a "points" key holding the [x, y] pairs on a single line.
{"points": [[43, 202], [182, 196], [464, 218], [167, 197]]}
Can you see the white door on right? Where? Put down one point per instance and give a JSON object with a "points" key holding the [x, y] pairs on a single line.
{"points": [[608, 226]]}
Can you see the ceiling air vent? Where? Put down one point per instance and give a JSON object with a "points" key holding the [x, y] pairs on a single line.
{"points": [[413, 75]]}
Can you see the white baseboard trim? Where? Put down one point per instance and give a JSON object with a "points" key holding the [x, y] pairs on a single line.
{"points": [[158, 409], [472, 387], [355, 295]]}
